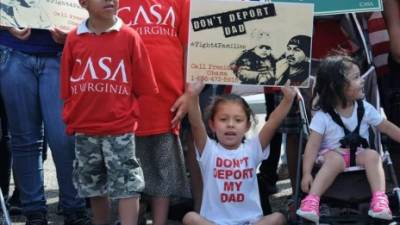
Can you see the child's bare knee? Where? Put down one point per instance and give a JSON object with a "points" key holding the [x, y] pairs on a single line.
{"points": [[372, 156], [279, 219], [190, 218], [334, 160], [274, 219]]}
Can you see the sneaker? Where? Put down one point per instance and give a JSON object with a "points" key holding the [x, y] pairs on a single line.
{"points": [[309, 208], [38, 218], [77, 218], [379, 207]]}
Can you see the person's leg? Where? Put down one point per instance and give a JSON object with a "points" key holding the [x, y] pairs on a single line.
{"points": [[332, 166], [195, 173], [193, 218], [164, 171], [292, 144], [19, 88], [90, 177], [159, 209], [272, 219], [61, 145], [371, 161], [100, 208], [124, 175], [5, 154], [128, 209]]}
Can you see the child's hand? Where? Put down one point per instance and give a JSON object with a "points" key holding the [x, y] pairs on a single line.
{"points": [[181, 105], [58, 35], [20, 33], [194, 89], [289, 92], [306, 183]]}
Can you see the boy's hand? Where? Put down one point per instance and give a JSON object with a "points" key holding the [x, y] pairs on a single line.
{"points": [[58, 35], [20, 33], [306, 183]]}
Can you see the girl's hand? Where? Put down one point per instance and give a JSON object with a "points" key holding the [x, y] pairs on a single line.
{"points": [[306, 183], [289, 92], [194, 89], [20, 33], [58, 35]]}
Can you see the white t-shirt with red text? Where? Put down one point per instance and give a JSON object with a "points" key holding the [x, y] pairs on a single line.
{"points": [[230, 194]]}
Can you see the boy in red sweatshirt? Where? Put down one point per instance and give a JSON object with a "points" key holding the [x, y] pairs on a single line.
{"points": [[105, 69]]}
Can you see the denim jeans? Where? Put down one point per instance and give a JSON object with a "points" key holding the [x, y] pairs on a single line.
{"points": [[29, 85], [5, 154]]}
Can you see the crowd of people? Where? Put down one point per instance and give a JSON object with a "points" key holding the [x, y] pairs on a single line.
{"points": [[111, 115]]}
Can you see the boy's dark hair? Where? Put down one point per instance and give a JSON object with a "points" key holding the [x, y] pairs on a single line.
{"points": [[219, 99], [331, 81]]}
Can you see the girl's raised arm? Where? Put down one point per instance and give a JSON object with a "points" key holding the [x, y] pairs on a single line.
{"points": [[277, 116], [195, 118]]}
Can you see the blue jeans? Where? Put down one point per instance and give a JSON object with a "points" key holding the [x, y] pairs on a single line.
{"points": [[29, 85]]}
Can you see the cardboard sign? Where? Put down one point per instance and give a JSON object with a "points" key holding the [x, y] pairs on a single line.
{"points": [[41, 14], [252, 43]]}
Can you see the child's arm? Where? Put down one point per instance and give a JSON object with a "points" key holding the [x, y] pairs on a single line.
{"points": [[310, 154], [390, 129], [277, 116], [199, 132]]}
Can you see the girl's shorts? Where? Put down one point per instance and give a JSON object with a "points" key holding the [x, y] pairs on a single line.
{"points": [[345, 155], [163, 165]]}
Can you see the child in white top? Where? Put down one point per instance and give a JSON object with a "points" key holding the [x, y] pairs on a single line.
{"points": [[338, 87], [228, 163]]}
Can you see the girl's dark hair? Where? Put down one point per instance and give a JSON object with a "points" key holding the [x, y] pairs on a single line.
{"points": [[331, 81], [219, 99]]}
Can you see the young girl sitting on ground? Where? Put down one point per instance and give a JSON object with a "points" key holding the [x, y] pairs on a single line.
{"points": [[228, 163], [339, 90]]}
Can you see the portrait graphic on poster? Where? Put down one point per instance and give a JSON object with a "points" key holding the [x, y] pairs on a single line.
{"points": [[41, 14], [254, 43]]}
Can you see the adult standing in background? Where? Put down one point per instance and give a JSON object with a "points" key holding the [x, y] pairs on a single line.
{"points": [[389, 84], [29, 86], [163, 26]]}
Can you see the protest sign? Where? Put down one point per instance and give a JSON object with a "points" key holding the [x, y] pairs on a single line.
{"points": [[41, 14], [254, 43]]}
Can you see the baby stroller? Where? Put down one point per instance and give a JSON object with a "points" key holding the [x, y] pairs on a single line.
{"points": [[347, 200]]}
